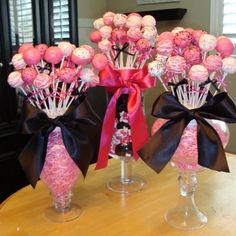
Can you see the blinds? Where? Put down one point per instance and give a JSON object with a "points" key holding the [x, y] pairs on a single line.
{"points": [[61, 28], [229, 19], [21, 21]]}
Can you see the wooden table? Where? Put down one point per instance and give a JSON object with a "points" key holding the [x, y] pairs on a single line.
{"points": [[110, 214]]}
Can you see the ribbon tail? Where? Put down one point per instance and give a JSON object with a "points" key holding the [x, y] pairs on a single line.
{"points": [[163, 144], [211, 153], [79, 148], [139, 130], [32, 158], [107, 132]]}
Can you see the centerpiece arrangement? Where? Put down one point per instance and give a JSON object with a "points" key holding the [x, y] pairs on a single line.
{"points": [[190, 131], [58, 117], [127, 41]]}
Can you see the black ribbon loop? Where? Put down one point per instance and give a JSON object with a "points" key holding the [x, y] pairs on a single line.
{"points": [[122, 49], [74, 125], [209, 81], [165, 141]]}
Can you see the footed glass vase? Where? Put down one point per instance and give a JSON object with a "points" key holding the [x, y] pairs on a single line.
{"points": [[59, 174], [126, 183], [186, 214], [121, 149]]}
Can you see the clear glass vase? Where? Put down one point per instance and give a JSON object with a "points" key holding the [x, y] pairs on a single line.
{"points": [[59, 174], [186, 215], [126, 183], [121, 149]]}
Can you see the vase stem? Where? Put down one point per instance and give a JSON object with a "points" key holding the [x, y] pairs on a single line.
{"points": [[126, 170], [186, 215]]}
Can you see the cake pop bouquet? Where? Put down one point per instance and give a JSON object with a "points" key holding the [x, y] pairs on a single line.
{"points": [[56, 114], [192, 66], [127, 42]]}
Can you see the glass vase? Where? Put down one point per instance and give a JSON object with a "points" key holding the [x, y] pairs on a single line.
{"points": [[126, 183], [121, 149], [59, 174], [186, 215]]}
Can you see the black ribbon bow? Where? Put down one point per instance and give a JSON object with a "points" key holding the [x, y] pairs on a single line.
{"points": [[74, 125], [122, 49], [164, 143]]}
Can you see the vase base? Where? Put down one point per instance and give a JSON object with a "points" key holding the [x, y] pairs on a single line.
{"points": [[186, 218], [71, 213], [131, 185]]}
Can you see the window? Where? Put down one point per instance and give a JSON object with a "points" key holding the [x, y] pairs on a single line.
{"points": [[21, 21], [61, 29], [223, 18], [46, 21]]}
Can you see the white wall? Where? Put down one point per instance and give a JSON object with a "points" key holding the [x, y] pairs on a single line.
{"points": [[88, 10]]}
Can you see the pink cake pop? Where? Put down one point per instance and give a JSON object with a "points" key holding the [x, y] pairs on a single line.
{"points": [[190, 30], [15, 80], [156, 68], [213, 63], [176, 64], [192, 55], [207, 42], [119, 35], [108, 18], [95, 36], [183, 39], [99, 61], [66, 48], [165, 35], [197, 35], [134, 34], [18, 61], [119, 20], [98, 23], [165, 47], [89, 48], [134, 21], [149, 32], [149, 21], [105, 31], [42, 81], [177, 30], [229, 65], [81, 56], [224, 46], [28, 75], [42, 49], [105, 45], [94, 81], [31, 56], [67, 75], [86, 75], [143, 45], [24, 47], [198, 73], [53, 55]]}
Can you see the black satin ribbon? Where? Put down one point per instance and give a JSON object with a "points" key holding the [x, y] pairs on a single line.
{"points": [[165, 141], [209, 81], [122, 49], [74, 124]]}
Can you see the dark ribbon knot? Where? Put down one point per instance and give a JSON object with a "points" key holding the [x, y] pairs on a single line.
{"points": [[124, 81], [122, 49], [164, 143], [74, 124]]}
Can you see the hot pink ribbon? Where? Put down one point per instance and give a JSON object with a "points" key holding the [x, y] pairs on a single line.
{"points": [[124, 81]]}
